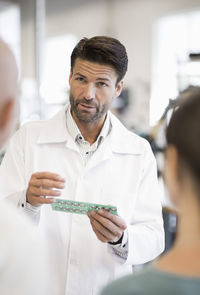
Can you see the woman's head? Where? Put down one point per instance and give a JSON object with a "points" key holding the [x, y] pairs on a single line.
{"points": [[183, 139]]}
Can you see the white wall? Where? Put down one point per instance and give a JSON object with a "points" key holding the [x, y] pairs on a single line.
{"points": [[129, 20]]}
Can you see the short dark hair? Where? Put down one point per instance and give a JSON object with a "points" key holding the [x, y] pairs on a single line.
{"points": [[183, 130], [103, 50]]}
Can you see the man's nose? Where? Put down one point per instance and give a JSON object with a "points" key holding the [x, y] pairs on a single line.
{"points": [[89, 91]]}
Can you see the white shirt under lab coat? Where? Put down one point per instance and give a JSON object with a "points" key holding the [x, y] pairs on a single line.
{"points": [[121, 172]]}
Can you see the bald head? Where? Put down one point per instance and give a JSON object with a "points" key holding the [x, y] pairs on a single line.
{"points": [[8, 73], [8, 90]]}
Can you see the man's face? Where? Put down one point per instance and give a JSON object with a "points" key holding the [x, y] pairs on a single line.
{"points": [[92, 88]]}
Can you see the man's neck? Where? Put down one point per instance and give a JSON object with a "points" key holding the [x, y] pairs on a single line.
{"points": [[90, 131]]}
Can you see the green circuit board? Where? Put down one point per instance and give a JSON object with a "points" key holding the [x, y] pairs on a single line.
{"points": [[70, 206]]}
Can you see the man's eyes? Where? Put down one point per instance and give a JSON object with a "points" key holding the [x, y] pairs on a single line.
{"points": [[81, 79], [102, 84], [98, 84]]}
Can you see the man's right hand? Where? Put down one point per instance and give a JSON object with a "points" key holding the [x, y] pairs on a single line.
{"points": [[44, 184]]}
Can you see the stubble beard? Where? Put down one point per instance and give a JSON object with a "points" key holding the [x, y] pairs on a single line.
{"points": [[84, 116]]}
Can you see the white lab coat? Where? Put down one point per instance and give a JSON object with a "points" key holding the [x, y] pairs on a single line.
{"points": [[121, 172], [24, 269]]}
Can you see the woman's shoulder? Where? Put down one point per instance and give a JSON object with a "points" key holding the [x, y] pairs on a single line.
{"points": [[151, 281]]}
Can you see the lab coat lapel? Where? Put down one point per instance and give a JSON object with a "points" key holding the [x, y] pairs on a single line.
{"points": [[118, 141], [54, 130]]}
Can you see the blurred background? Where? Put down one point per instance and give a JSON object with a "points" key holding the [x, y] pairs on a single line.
{"points": [[163, 44]]}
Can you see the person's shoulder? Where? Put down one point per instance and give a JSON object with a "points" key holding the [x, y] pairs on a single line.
{"points": [[132, 284], [120, 286], [151, 281]]}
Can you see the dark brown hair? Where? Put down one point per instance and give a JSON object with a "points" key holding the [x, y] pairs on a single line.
{"points": [[183, 130], [103, 50]]}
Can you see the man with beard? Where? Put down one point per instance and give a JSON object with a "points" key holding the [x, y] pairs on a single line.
{"points": [[85, 154]]}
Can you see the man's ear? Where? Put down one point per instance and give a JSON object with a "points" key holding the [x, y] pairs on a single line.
{"points": [[119, 88], [6, 113]]}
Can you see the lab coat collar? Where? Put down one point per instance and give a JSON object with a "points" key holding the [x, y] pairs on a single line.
{"points": [[54, 130], [121, 140]]}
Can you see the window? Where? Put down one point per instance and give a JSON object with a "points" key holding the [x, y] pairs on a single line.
{"points": [[174, 38], [54, 87]]}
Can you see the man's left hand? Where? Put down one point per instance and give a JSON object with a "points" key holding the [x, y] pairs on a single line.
{"points": [[107, 226]]}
